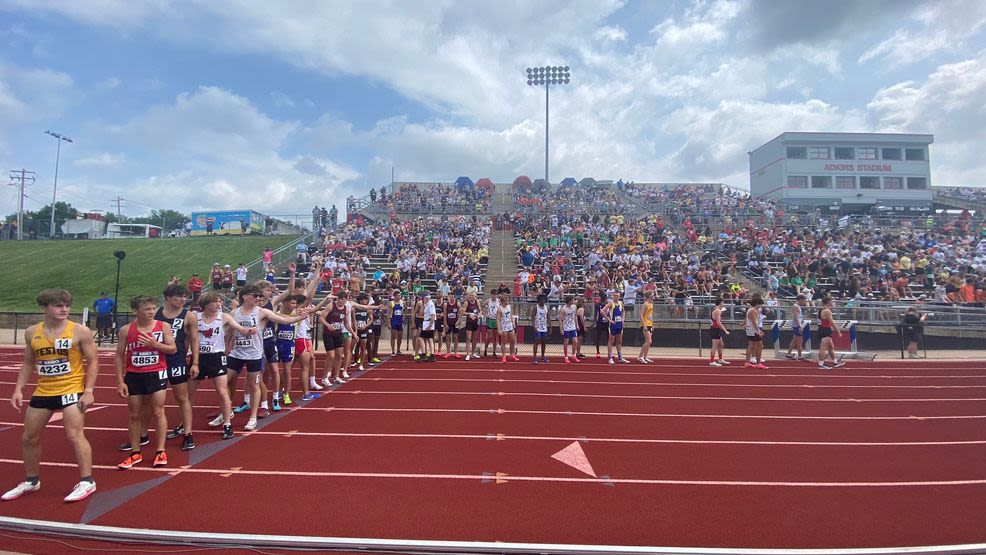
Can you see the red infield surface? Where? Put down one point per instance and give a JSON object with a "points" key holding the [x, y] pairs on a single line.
{"points": [[875, 454]]}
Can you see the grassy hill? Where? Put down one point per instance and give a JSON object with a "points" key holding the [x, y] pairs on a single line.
{"points": [[87, 267]]}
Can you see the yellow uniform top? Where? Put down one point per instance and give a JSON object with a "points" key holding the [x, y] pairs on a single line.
{"points": [[646, 317], [58, 362]]}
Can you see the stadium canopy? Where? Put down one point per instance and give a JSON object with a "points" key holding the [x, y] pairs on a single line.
{"points": [[463, 181], [484, 182], [522, 180], [568, 182], [587, 182], [540, 183]]}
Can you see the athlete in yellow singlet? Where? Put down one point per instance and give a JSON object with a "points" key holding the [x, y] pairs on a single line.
{"points": [[646, 326], [64, 357]]}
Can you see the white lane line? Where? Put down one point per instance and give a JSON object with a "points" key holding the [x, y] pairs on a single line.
{"points": [[556, 479]]}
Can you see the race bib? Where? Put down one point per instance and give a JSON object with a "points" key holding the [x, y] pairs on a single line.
{"points": [[285, 334], [70, 398], [618, 319], [63, 344], [50, 368], [268, 333], [205, 348], [144, 359], [176, 325], [337, 326], [243, 342]]}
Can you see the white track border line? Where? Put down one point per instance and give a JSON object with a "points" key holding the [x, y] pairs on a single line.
{"points": [[606, 481], [209, 539], [506, 437]]}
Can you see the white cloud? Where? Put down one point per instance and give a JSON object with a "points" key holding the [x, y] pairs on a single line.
{"points": [[282, 100], [611, 33], [108, 84], [103, 160], [944, 27]]}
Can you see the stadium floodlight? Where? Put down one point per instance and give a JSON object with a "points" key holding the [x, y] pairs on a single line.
{"points": [[54, 188], [547, 76]]}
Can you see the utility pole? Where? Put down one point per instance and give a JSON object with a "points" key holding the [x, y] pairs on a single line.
{"points": [[118, 202], [25, 178]]}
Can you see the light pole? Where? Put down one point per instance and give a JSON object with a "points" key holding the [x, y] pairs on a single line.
{"points": [[54, 188], [547, 76]]}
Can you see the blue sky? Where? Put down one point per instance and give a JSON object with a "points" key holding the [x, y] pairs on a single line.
{"points": [[279, 106]]}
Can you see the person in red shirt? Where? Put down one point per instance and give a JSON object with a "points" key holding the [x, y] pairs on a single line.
{"points": [[216, 276], [195, 287], [140, 352]]}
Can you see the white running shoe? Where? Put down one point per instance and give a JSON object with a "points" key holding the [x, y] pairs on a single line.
{"points": [[467, 357], [81, 491], [714, 363], [611, 361], [724, 362], [21, 489], [251, 425], [217, 421], [345, 374], [313, 384], [326, 382], [647, 360], [340, 381], [361, 369]]}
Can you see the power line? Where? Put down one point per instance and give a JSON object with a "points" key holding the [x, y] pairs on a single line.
{"points": [[21, 180], [118, 201]]}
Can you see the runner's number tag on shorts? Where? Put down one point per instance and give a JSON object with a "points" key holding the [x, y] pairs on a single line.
{"points": [[53, 367], [144, 359], [268, 333]]}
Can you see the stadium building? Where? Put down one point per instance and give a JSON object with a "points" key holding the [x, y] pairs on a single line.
{"points": [[845, 172]]}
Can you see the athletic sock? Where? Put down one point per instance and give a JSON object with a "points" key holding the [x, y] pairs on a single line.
{"points": [[246, 398], [83, 479], [35, 479], [263, 404]]}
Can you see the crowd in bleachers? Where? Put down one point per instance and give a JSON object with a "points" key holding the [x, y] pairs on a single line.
{"points": [[435, 253], [568, 200], [439, 198], [973, 194]]}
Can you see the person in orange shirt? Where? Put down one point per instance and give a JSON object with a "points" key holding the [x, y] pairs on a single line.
{"points": [[967, 293]]}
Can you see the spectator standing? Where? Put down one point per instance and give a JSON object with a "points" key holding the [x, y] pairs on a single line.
{"points": [[912, 327], [104, 316], [195, 287], [268, 258]]}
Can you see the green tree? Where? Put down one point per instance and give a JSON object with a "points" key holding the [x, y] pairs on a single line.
{"points": [[167, 219]]}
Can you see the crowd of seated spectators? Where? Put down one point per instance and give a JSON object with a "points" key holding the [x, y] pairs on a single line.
{"points": [[973, 194], [569, 201], [443, 254], [560, 256], [438, 198]]}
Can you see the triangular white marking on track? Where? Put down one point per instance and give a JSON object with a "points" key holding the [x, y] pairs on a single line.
{"points": [[574, 456]]}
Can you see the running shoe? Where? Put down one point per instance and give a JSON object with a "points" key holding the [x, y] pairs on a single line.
{"points": [[714, 363], [242, 408], [188, 443], [431, 358], [503, 360], [263, 412], [839, 364], [217, 421], [761, 366], [375, 360], [313, 384], [130, 461], [251, 425], [790, 356], [179, 430], [913, 355], [580, 355], [309, 396], [535, 360], [544, 360], [417, 358], [749, 365], [327, 382], [467, 357], [567, 361], [160, 459], [641, 360], [81, 490], [456, 355], [21, 489], [823, 367], [144, 440], [647, 360], [723, 362], [276, 405], [611, 361], [345, 375], [624, 361], [340, 381], [228, 431], [576, 360], [361, 369], [287, 399]]}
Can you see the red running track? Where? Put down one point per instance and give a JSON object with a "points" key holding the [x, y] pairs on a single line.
{"points": [[871, 455]]}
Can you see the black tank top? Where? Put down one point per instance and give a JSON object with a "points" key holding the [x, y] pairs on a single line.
{"points": [[271, 327], [178, 330]]}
